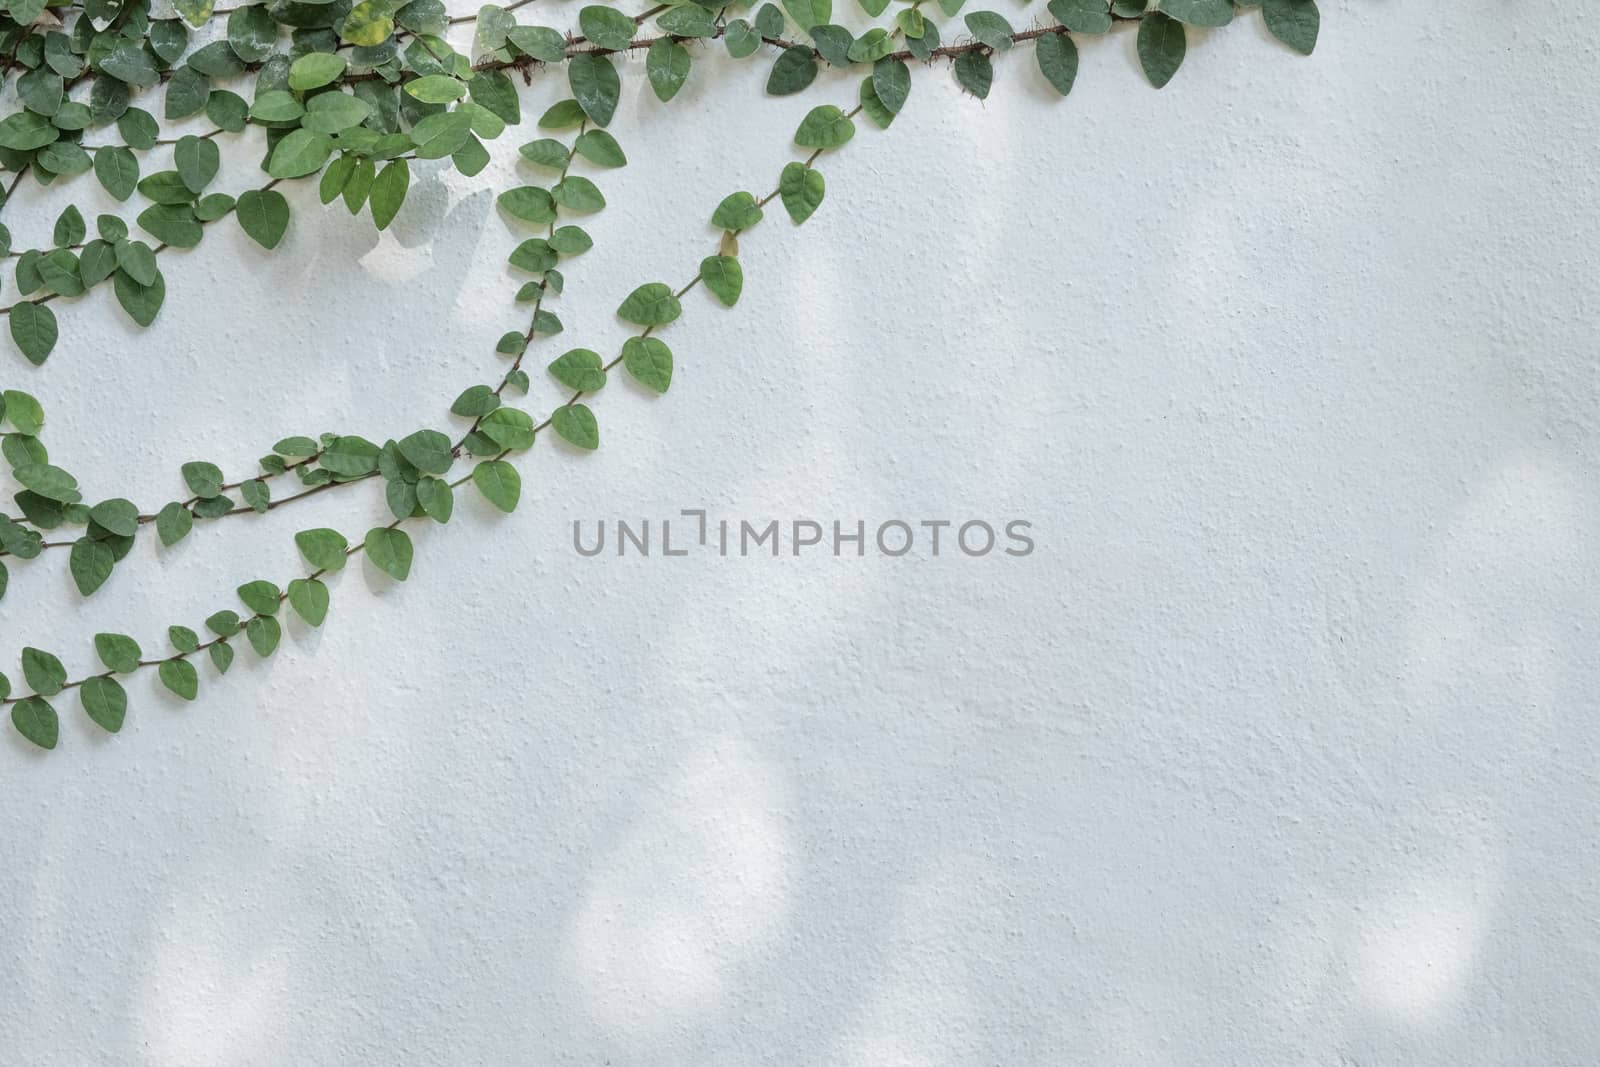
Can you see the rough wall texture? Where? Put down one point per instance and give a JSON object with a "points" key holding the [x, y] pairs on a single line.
{"points": [[1278, 749]]}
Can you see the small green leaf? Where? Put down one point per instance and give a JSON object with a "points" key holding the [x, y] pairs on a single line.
{"points": [[105, 702], [437, 89], [257, 495], [436, 498], [1058, 61], [828, 127], [794, 70], [36, 720], [25, 413], [302, 152], [315, 69], [529, 203], [183, 639], [499, 483], [606, 27], [390, 551], [724, 277], [649, 360], [651, 304], [809, 13], [203, 479], [595, 83], [324, 549], [260, 597], [1162, 45], [90, 563], [118, 652], [264, 215], [600, 148], [800, 189], [427, 450], [576, 424], [577, 193], [179, 676], [389, 192], [1209, 13], [738, 211], [1294, 22], [263, 632], [221, 655], [224, 623], [667, 65], [43, 671], [173, 523], [1082, 16], [309, 599], [508, 428], [116, 516], [476, 401], [579, 369], [34, 330], [975, 73], [891, 80]]}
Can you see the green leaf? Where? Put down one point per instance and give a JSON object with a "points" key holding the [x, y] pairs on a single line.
{"points": [[389, 192], [975, 73], [324, 549], [577, 193], [508, 428], [263, 633], [276, 105], [34, 331], [742, 40], [251, 32], [138, 260], [173, 523], [141, 302], [540, 42], [667, 65], [800, 189], [116, 516], [493, 90], [1200, 12], [25, 131], [576, 424], [794, 70], [105, 702], [595, 83], [428, 451], [529, 203], [651, 304], [257, 495], [828, 127], [534, 254], [26, 413], [52, 483], [369, 23], [436, 498], [309, 599], [437, 89], [1058, 61], [499, 483], [579, 369], [131, 64], [546, 152], [724, 277], [118, 652], [335, 112], [891, 80], [350, 456], [476, 401], [689, 20], [227, 110], [873, 46], [70, 229], [390, 552], [738, 211], [194, 12], [260, 597], [1082, 16], [90, 563], [1294, 22], [203, 479], [649, 360], [563, 115], [36, 720], [570, 240], [179, 676], [302, 152], [183, 639], [118, 171], [606, 27], [196, 160], [1162, 45], [224, 623], [875, 110], [809, 13], [221, 655], [264, 215], [44, 673], [316, 69]]}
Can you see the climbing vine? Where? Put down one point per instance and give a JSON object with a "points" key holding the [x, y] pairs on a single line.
{"points": [[353, 96]]}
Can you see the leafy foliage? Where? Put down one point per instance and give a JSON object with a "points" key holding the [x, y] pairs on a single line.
{"points": [[354, 95]]}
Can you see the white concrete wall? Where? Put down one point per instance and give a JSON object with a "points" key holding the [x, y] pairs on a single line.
{"points": [[1278, 749]]}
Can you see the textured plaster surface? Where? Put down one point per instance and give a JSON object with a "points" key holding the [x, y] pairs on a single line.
{"points": [[1279, 749]]}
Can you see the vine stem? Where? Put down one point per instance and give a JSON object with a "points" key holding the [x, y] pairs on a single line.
{"points": [[356, 548]]}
